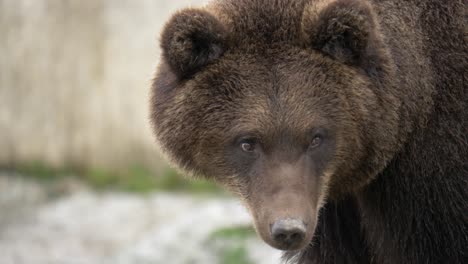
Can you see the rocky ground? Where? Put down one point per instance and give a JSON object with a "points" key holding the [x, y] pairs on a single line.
{"points": [[70, 223]]}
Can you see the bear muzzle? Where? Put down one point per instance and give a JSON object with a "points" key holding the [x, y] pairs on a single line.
{"points": [[285, 205]]}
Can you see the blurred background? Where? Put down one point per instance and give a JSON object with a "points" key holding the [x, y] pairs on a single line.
{"points": [[81, 178]]}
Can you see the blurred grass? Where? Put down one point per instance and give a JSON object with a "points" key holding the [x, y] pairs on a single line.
{"points": [[137, 179], [238, 232], [233, 249], [235, 255]]}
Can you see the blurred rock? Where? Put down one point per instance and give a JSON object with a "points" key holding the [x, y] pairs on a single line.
{"points": [[18, 198], [84, 227]]}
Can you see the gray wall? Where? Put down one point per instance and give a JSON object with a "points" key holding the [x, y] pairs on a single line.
{"points": [[75, 78]]}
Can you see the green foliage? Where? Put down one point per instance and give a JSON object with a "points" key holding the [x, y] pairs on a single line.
{"points": [[230, 244], [172, 181], [235, 255], [99, 178], [136, 179], [239, 233], [41, 171]]}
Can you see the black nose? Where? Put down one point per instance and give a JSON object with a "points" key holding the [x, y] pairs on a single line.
{"points": [[288, 232]]}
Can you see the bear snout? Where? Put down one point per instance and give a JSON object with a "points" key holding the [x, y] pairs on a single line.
{"points": [[288, 233]]}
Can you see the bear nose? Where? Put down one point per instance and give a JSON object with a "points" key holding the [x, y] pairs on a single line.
{"points": [[288, 232]]}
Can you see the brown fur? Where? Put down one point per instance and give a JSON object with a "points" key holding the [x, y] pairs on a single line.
{"points": [[385, 81]]}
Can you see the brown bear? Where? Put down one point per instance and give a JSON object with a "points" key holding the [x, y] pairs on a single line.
{"points": [[342, 124]]}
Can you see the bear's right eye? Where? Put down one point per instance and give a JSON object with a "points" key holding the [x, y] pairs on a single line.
{"points": [[247, 145]]}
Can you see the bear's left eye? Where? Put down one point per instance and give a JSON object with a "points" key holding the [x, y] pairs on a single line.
{"points": [[318, 138], [316, 141]]}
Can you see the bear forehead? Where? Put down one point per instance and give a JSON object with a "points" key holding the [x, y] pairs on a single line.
{"points": [[286, 75], [255, 93], [261, 21]]}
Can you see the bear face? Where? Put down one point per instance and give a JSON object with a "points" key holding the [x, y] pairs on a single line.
{"points": [[286, 118]]}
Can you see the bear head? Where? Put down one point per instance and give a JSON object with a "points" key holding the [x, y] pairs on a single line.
{"points": [[282, 102]]}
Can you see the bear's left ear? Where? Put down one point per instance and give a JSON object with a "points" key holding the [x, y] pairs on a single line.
{"points": [[192, 39], [342, 29]]}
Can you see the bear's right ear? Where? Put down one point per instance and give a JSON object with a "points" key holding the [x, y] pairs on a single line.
{"points": [[192, 39]]}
